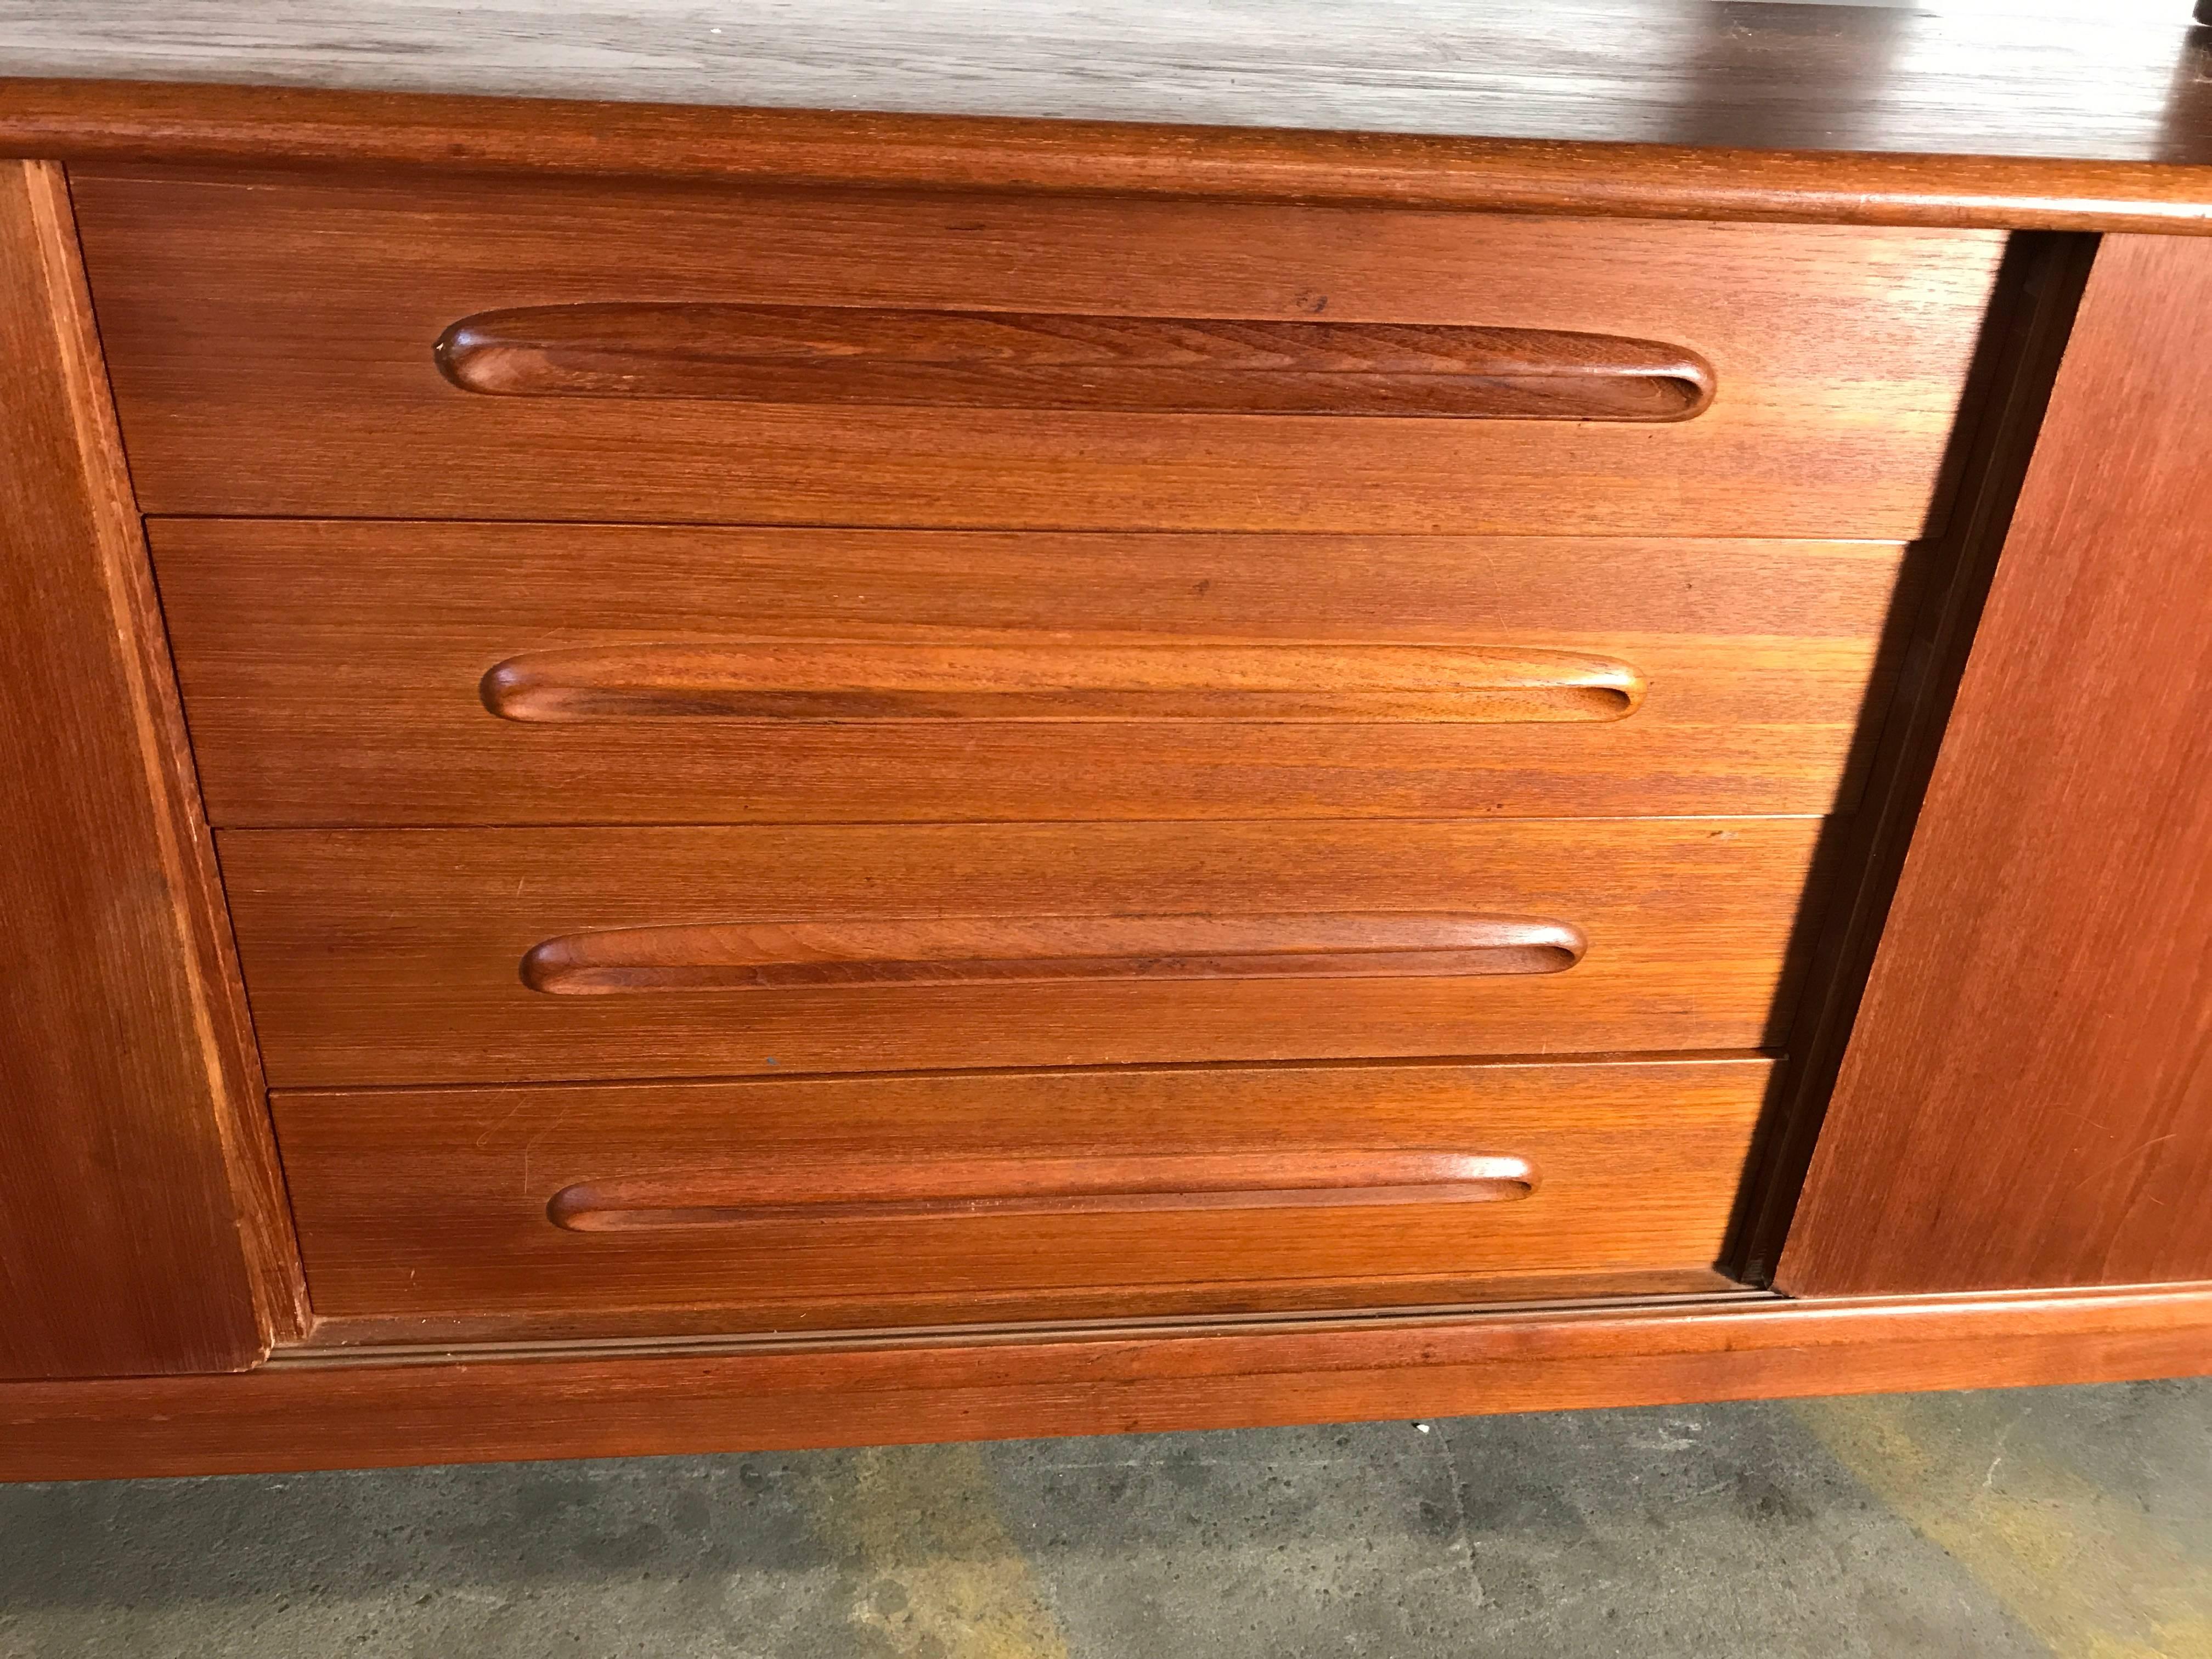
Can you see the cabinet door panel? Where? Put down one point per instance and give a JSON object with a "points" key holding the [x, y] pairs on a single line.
{"points": [[141, 1229], [2027, 1097]]}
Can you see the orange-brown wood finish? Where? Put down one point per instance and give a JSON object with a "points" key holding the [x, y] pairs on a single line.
{"points": [[1080, 812], [786, 1204], [1014, 360], [273, 342], [397, 956], [1750, 133], [142, 1228], [492, 1405], [340, 673], [2027, 1097]]}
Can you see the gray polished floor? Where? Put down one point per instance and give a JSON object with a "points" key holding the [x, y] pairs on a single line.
{"points": [[2075, 1521]]}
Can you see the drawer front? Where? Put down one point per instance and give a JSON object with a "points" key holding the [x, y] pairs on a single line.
{"points": [[369, 673], [856, 1202], [407, 957], [302, 346]]}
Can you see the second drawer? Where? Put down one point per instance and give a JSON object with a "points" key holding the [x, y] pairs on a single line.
{"points": [[406, 956], [422, 674]]}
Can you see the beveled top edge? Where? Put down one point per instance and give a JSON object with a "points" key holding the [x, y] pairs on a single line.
{"points": [[105, 124]]}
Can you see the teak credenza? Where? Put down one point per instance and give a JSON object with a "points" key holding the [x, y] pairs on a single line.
{"points": [[685, 778]]}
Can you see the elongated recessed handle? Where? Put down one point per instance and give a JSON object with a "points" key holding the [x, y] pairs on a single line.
{"points": [[1051, 359], [885, 1189], [1037, 681], [972, 949]]}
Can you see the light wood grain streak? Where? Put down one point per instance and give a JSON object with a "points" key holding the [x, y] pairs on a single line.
{"points": [[1043, 950], [1063, 679]]}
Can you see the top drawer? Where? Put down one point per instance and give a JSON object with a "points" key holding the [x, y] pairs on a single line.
{"points": [[654, 353]]}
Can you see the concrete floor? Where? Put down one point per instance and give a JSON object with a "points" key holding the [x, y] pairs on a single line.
{"points": [[2075, 1521]]}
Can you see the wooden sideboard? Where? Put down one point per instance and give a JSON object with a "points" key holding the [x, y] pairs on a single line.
{"points": [[685, 777]]}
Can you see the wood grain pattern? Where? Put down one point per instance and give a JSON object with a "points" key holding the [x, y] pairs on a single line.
{"points": [[1055, 360], [1058, 679], [391, 957], [334, 673], [582, 1403], [782, 1204], [2110, 1110], [143, 1229], [1743, 113], [2027, 1097], [271, 340], [852, 950]]}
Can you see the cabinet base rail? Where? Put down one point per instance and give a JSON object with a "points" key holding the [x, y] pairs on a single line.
{"points": [[319, 1411]]}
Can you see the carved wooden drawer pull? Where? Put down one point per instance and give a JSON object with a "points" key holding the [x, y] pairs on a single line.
{"points": [[970, 950], [881, 1189], [1037, 360], [1057, 680]]}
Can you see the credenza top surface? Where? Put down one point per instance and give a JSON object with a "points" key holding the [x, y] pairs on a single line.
{"points": [[2130, 83]]}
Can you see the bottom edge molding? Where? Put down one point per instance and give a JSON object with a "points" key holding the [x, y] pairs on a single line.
{"points": [[862, 1392]]}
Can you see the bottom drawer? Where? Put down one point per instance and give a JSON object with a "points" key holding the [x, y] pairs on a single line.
{"points": [[856, 1202]]}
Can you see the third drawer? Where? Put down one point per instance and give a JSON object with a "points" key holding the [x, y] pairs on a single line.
{"points": [[410, 956]]}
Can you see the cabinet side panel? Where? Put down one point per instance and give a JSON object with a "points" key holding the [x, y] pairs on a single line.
{"points": [[2026, 1100], [142, 1229]]}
